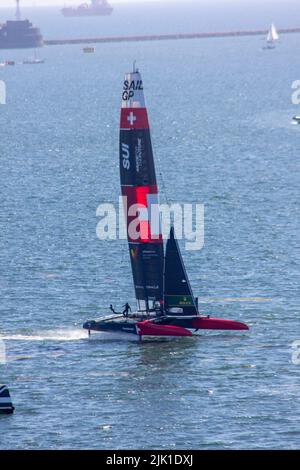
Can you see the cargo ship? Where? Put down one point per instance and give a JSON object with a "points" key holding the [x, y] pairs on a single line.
{"points": [[18, 33], [96, 8]]}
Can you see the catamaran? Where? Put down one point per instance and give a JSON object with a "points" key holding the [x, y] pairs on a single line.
{"points": [[166, 305], [272, 37]]}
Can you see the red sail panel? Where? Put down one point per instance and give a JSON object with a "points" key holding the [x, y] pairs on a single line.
{"points": [[143, 222]]}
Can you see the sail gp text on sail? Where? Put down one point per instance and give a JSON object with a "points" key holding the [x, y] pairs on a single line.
{"points": [[130, 87]]}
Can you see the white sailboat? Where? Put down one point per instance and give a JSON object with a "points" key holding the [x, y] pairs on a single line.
{"points": [[33, 60], [272, 37]]}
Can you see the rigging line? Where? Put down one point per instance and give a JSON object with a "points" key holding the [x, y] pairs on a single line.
{"points": [[124, 249], [122, 243], [163, 185]]}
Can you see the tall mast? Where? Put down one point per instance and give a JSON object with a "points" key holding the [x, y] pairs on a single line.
{"points": [[18, 13]]}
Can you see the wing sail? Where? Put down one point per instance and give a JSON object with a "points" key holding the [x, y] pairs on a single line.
{"points": [[140, 195]]}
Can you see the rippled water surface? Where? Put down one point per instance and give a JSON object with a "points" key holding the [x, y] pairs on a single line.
{"points": [[221, 113]]}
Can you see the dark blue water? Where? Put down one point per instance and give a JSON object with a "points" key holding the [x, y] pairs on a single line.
{"points": [[221, 113]]}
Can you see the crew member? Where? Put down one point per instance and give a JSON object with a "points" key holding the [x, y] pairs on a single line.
{"points": [[126, 309], [112, 308]]}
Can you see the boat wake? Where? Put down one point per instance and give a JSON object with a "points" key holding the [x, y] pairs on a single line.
{"points": [[112, 336], [73, 334]]}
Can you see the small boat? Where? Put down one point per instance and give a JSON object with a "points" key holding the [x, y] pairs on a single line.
{"points": [[272, 37], [166, 305], [6, 406], [33, 60], [89, 50], [296, 119]]}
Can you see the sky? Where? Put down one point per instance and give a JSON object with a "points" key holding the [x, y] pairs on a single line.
{"points": [[11, 3]]}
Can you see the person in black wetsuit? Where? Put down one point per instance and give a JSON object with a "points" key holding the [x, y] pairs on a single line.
{"points": [[126, 309], [112, 308]]}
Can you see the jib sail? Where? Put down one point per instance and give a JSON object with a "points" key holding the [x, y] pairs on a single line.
{"points": [[178, 295], [6, 406], [140, 196]]}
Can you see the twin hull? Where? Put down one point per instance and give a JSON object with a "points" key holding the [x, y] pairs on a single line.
{"points": [[166, 326]]}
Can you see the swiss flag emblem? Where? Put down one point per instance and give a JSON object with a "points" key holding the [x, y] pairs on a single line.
{"points": [[134, 118]]}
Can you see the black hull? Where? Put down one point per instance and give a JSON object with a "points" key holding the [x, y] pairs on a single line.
{"points": [[7, 412], [129, 325], [113, 326]]}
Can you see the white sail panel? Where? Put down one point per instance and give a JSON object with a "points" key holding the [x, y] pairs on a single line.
{"points": [[272, 34]]}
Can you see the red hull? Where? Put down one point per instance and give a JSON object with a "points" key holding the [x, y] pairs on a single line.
{"points": [[205, 323], [148, 328]]}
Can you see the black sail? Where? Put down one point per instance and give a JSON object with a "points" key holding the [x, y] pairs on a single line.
{"points": [[140, 195], [178, 295]]}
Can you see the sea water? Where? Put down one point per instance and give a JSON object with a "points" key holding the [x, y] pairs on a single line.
{"points": [[220, 112]]}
